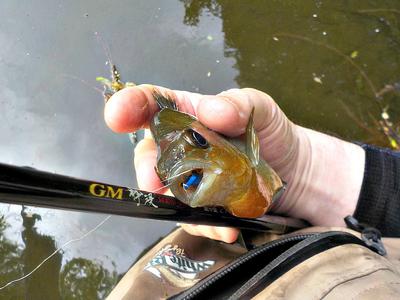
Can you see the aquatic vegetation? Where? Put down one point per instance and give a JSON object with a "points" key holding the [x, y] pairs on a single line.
{"points": [[392, 131], [347, 58]]}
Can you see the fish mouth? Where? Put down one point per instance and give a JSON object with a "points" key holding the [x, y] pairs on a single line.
{"points": [[191, 181]]}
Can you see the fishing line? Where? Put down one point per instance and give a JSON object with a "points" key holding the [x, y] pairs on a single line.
{"points": [[105, 47], [82, 81], [79, 238], [172, 177]]}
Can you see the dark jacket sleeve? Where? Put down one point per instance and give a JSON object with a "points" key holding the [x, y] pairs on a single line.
{"points": [[379, 202]]}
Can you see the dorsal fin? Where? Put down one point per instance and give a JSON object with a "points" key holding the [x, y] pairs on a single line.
{"points": [[164, 101], [252, 143]]}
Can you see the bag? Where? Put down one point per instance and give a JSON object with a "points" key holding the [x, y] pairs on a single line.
{"points": [[313, 263]]}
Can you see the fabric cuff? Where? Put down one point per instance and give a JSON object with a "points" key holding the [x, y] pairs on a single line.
{"points": [[379, 201]]}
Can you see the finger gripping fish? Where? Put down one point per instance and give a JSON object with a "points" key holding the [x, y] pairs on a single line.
{"points": [[206, 169]]}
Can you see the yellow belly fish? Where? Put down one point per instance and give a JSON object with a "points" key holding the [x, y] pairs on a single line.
{"points": [[205, 169]]}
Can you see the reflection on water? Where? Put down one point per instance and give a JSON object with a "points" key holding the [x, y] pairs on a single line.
{"points": [[86, 279], [79, 278], [11, 264], [45, 281], [55, 123]]}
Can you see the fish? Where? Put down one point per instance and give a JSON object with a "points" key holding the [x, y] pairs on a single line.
{"points": [[205, 169]]}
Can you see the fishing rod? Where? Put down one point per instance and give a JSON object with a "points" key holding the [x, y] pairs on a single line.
{"points": [[29, 186]]}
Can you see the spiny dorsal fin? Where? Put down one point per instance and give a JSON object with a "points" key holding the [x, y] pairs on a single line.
{"points": [[164, 101], [252, 143]]}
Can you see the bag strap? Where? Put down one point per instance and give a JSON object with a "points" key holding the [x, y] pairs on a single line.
{"points": [[292, 257], [237, 272], [253, 271]]}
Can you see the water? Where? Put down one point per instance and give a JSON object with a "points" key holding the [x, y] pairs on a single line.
{"points": [[55, 123]]}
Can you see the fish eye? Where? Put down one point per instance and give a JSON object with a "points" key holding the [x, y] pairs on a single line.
{"points": [[197, 139]]}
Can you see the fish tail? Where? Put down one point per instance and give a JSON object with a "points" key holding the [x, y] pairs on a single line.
{"points": [[164, 101]]}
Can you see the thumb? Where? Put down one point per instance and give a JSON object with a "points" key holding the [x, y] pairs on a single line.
{"points": [[229, 112]]}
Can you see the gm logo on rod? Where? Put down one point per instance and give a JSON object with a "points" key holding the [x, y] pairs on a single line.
{"points": [[107, 191]]}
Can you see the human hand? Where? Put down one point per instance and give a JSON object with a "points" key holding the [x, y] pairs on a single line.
{"points": [[323, 173]]}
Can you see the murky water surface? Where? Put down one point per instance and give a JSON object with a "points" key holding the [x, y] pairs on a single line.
{"points": [[322, 61]]}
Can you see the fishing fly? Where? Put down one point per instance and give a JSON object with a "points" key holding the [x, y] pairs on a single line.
{"points": [[114, 83]]}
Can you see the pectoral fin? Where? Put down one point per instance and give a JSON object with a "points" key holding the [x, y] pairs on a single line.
{"points": [[279, 192], [252, 143]]}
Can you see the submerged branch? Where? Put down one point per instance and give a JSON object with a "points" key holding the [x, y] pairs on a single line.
{"points": [[388, 88], [377, 10], [360, 123], [338, 52]]}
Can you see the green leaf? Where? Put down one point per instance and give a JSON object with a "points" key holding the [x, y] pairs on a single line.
{"points": [[354, 54], [393, 143]]}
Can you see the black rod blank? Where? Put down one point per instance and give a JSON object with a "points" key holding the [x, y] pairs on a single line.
{"points": [[28, 186]]}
